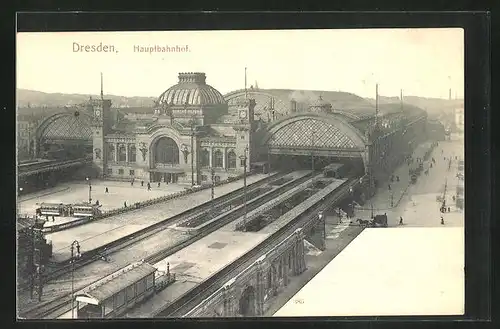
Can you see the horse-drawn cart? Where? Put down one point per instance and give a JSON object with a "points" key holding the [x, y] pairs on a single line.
{"points": [[377, 221]]}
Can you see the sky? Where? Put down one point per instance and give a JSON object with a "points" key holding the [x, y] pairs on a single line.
{"points": [[422, 62]]}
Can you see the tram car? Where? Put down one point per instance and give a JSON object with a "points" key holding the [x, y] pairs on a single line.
{"points": [[52, 209], [85, 210], [335, 170]]}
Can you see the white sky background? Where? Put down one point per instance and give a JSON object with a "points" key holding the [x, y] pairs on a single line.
{"points": [[423, 62]]}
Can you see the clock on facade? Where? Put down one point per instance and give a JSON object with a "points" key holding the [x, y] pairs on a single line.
{"points": [[243, 114]]}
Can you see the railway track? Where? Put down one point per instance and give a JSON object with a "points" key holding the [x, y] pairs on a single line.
{"points": [[193, 297], [50, 307]]}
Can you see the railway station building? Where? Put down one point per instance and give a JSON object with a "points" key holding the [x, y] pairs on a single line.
{"points": [[192, 133]]}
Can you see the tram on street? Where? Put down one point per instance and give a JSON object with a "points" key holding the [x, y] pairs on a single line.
{"points": [[53, 209], [85, 210], [68, 210]]}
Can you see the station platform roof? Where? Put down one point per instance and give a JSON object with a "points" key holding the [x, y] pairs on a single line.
{"points": [[116, 282], [390, 271]]}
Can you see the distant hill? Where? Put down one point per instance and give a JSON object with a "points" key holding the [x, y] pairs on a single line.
{"points": [[33, 98], [436, 107]]}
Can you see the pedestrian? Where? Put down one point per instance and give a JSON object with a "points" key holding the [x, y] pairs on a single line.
{"points": [[132, 182], [454, 198], [158, 184], [47, 217], [106, 191], [142, 183], [389, 187], [125, 204], [449, 209], [430, 165], [53, 219], [442, 220], [397, 178], [149, 187], [400, 220], [97, 202]]}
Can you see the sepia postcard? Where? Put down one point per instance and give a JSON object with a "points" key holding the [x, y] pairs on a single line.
{"points": [[240, 173]]}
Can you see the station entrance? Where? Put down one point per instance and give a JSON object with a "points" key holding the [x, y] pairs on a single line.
{"points": [[164, 177]]}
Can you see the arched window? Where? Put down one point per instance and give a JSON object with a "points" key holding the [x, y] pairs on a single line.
{"points": [[166, 151], [111, 152], [122, 153], [204, 158], [218, 159], [231, 160], [132, 153]]}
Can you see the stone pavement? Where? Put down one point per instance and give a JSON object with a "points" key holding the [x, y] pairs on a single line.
{"points": [[417, 203], [78, 192]]}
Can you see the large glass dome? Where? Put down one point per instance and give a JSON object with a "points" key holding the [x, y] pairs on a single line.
{"points": [[191, 90]]}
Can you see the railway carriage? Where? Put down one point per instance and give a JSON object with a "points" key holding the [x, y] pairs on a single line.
{"points": [[335, 170], [117, 293]]}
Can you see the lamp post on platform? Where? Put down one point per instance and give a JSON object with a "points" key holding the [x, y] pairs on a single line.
{"points": [[243, 159], [320, 216], [90, 189], [212, 195], [73, 259], [351, 193]]}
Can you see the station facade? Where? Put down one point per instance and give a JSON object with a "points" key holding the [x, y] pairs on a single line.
{"points": [[193, 133]]}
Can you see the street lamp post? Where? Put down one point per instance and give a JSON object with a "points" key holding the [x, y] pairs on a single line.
{"points": [[90, 189], [73, 258], [243, 158]]}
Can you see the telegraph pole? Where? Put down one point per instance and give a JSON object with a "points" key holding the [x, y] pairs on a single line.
{"points": [[192, 151], [73, 259], [212, 173], [312, 157], [376, 105], [246, 95], [243, 158], [37, 261]]}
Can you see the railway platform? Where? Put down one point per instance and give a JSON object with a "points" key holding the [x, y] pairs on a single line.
{"points": [[91, 232], [101, 232], [59, 220], [207, 256]]}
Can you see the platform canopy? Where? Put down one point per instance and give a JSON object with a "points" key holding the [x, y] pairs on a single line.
{"points": [[112, 284], [389, 271]]}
